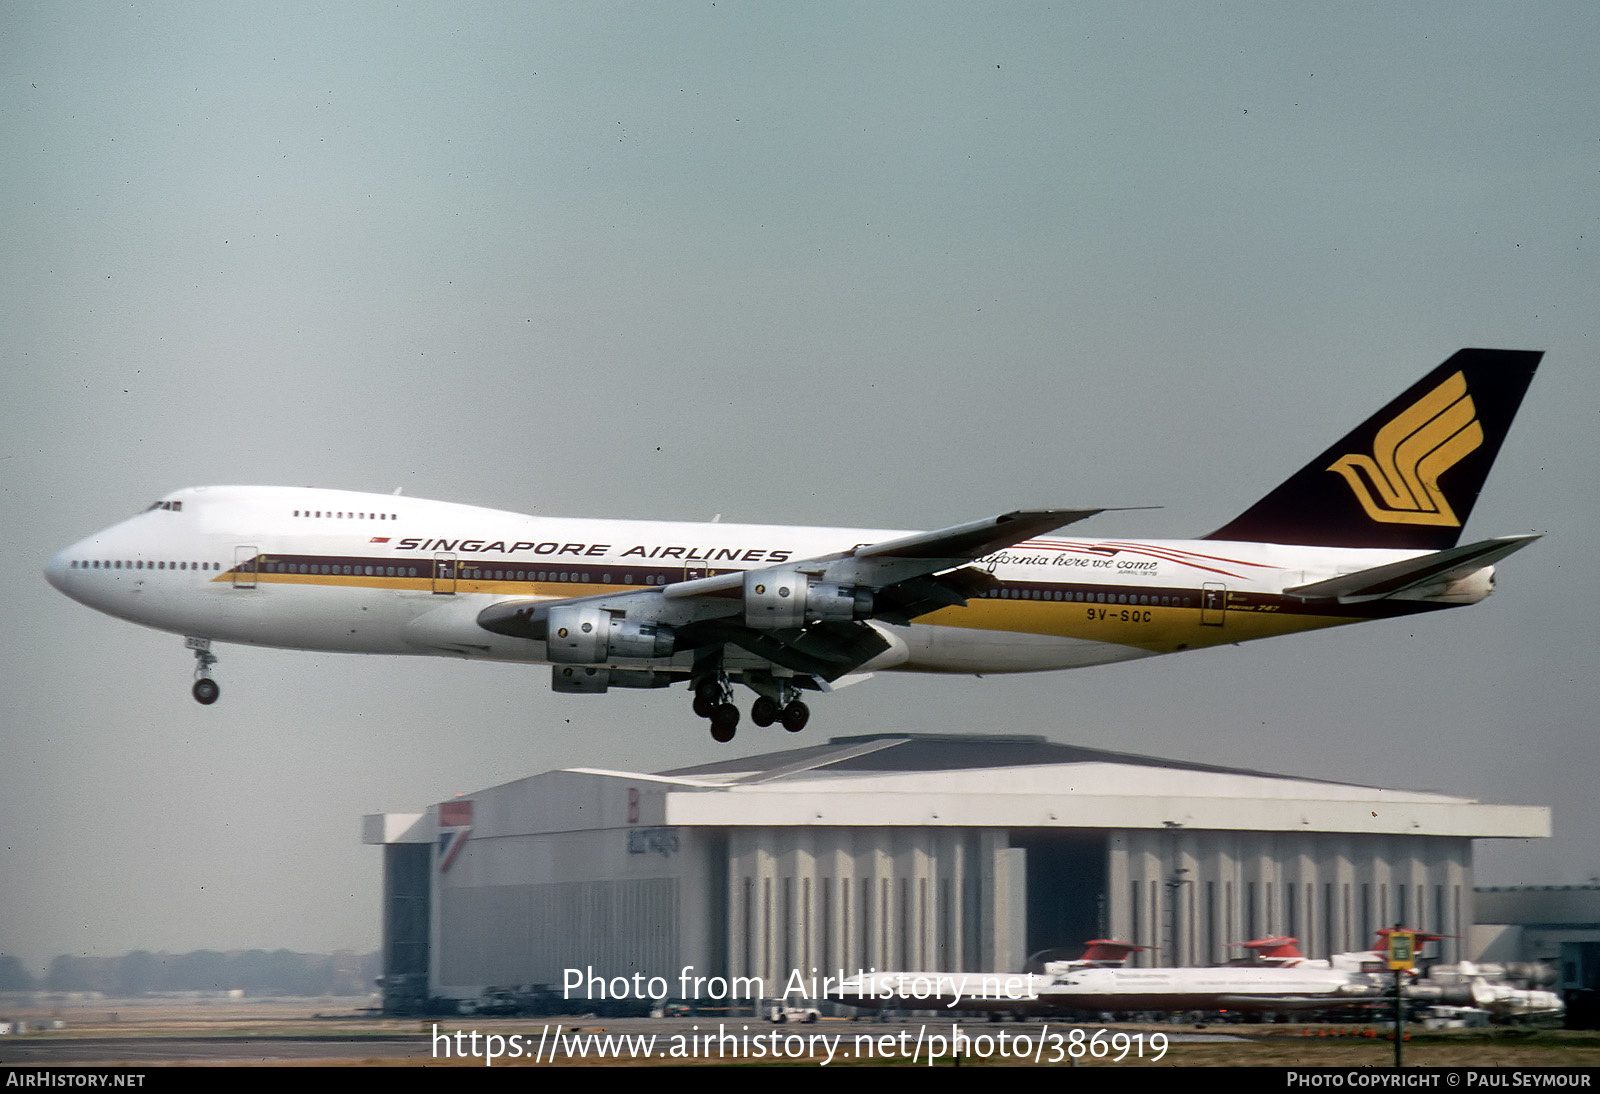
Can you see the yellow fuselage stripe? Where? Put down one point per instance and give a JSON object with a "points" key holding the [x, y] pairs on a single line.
{"points": [[1157, 629]]}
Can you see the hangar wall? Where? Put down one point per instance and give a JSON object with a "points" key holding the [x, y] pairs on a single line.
{"points": [[521, 909], [840, 898], [1194, 892], [528, 934], [917, 853]]}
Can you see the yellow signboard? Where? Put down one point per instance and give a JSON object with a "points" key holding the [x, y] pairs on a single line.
{"points": [[1402, 950]]}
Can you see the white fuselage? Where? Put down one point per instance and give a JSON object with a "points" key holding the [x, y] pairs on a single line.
{"points": [[1300, 985], [334, 570], [1109, 989]]}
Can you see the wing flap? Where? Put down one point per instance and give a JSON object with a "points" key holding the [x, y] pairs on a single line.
{"points": [[827, 651]]}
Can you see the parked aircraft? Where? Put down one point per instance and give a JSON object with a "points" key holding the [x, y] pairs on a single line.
{"points": [[1366, 531], [1275, 978]]}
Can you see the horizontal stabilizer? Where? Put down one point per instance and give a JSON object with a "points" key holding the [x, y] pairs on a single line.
{"points": [[1395, 578]]}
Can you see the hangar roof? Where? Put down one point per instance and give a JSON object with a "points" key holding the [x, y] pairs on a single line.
{"points": [[1028, 781], [934, 780], [938, 752]]}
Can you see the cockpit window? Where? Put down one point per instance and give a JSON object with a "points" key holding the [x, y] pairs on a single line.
{"points": [[173, 506]]}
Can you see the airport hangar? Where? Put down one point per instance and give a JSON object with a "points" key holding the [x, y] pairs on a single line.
{"points": [[916, 852]]}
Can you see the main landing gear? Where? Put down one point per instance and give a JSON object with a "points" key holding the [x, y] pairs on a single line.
{"points": [[713, 694], [713, 699], [206, 690], [794, 714], [776, 701]]}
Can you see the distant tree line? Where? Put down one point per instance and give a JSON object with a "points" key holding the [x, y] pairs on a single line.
{"points": [[255, 972]]}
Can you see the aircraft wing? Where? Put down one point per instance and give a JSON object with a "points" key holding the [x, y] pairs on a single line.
{"points": [[977, 538], [1439, 568], [812, 615], [921, 552]]}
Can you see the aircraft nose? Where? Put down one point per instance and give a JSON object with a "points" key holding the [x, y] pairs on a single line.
{"points": [[55, 571]]}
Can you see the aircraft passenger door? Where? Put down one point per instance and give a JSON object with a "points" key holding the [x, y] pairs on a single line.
{"points": [[244, 567], [1213, 603], [444, 575]]}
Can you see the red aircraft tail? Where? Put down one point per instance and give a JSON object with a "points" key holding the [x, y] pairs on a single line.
{"points": [[1108, 951], [1283, 949]]}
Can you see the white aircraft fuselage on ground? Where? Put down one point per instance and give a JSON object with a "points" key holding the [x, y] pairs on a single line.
{"points": [[1287, 981], [1345, 980], [1367, 531]]}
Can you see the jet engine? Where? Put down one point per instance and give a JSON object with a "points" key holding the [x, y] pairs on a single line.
{"points": [[584, 634], [595, 681], [789, 599]]}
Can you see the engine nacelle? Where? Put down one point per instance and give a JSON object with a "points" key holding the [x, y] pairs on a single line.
{"points": [[593, 681], [788, 600], [584, 634]]}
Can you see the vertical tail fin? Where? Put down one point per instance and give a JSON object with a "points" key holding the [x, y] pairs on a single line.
{"points": [[1407, 477], [1108, 951]]}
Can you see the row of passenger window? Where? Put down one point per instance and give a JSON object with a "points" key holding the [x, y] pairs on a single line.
{"points": [[141, 564], [332, 569], [1092, 598], [467, 573], [478, 573], [329, 513]]}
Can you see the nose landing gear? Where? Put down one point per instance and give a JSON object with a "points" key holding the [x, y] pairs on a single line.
{"points": [[206, 690]]}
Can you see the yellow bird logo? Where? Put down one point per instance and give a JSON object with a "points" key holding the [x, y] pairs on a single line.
{"points": [[1399, 482]]}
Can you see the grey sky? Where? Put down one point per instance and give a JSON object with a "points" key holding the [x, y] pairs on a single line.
{"points": [[895, 265]]}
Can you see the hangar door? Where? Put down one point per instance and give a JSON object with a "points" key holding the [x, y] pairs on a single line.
{"points": [[1066, 892]]}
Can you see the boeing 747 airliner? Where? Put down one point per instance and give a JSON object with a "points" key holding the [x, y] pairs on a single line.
{"points": [[1367, 530]]}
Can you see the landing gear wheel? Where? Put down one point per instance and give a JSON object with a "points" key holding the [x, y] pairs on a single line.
{"points": [[724, 721], [795, 716], [708, 695], [205, 689], [764, 711]]}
